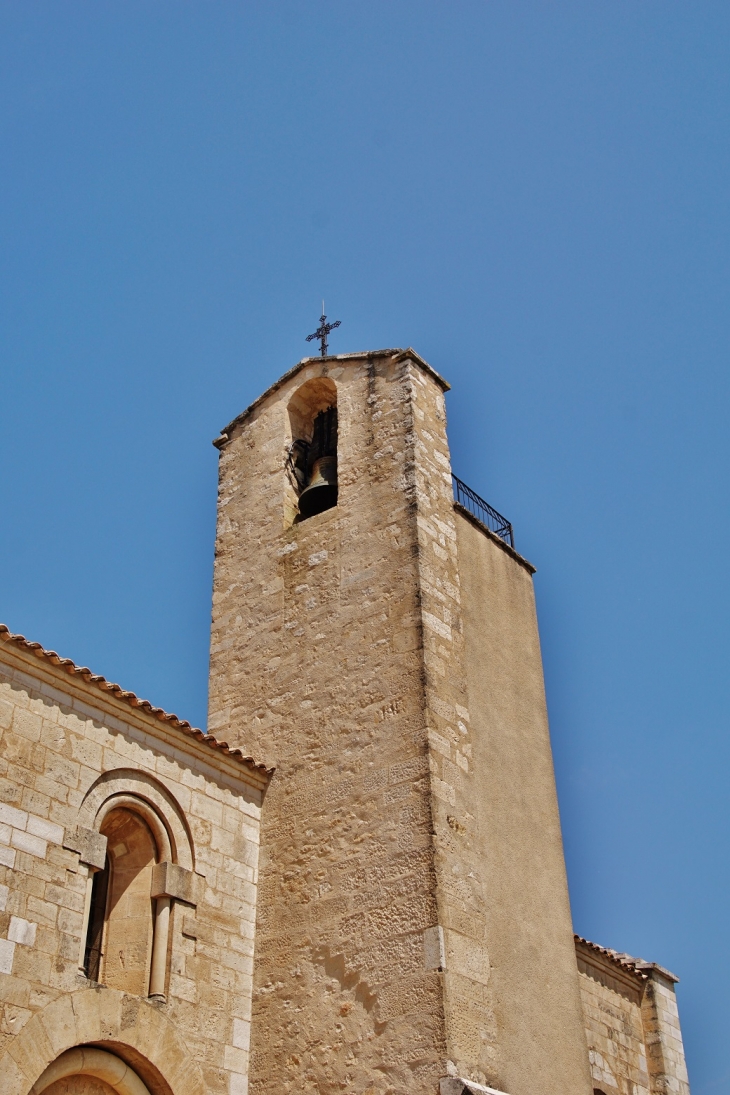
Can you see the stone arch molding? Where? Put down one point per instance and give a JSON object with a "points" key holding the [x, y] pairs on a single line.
{"points": [[167, 819], [128, 1028], [89, 1061]]}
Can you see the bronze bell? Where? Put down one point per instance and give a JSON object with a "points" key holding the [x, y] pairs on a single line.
{"points": [[321, 493]]}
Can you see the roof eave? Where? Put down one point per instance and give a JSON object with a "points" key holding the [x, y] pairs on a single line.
{"points": [[121, 695]]}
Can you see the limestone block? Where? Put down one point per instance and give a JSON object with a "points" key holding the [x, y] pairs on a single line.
{"points": [[48, 830], [59, 1024], [14, 1080], [434, 953], [22, 931], [7, 857], [7, 952], [9, 815], [90, 845], [172, 880]]}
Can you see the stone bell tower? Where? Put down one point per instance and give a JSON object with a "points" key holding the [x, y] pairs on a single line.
{"points": [[379, 645]]}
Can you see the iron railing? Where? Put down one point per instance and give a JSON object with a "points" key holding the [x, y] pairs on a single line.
{"points": [[483, 512]]}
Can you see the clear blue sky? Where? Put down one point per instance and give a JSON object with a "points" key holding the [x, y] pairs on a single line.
{"points": [[535, 197]]}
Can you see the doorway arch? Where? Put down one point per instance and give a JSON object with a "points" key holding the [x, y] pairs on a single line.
{"points": [[128, 1027], [89, 1063]]}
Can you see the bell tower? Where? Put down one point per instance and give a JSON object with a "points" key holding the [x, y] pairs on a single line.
{"points": [[376, 642]]}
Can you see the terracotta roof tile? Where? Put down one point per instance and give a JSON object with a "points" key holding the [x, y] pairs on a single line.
{"points": [[119, 693], [636, 966]]}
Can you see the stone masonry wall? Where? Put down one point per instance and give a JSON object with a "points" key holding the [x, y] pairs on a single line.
{"points": [[57, 737], [663, 1036], [338, 654], [632, 1025], [614, 1030], [316, 658]]}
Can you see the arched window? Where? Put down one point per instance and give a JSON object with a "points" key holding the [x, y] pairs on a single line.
{"points": [[134, 840], [120, 935], [95, 929], [128, 918], [312, 459]]}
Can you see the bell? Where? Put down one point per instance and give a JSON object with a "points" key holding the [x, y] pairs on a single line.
{"points": [[321, 493]]}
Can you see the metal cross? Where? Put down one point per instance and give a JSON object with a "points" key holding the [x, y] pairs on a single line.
{"points": [[322, 331]]}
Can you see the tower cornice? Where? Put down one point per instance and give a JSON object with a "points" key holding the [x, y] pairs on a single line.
{"points": [[395, 353]]}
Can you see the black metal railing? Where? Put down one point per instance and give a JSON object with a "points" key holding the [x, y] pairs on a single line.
{"points": [[483, 512]]}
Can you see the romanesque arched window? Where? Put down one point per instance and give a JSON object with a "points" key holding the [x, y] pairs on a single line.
{"points": [[138, 840], [121, 923], [312, 459]]}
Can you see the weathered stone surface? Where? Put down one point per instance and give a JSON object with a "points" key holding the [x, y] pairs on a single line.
{"points": [[339, 653], [172, 880], [632, 1025], [51, 827], [90, 845], [410, 929]]}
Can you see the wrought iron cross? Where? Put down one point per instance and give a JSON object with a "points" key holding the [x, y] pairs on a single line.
{"points": [[322, 331]]}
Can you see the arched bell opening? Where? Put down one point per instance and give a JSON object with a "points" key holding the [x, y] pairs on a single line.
{"points": [[312, 457]]}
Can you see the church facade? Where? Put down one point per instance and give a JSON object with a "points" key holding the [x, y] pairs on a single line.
{"points": [[354, 880]]}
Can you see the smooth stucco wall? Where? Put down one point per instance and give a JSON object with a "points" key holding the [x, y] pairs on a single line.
{"points": [[539, 1036]]}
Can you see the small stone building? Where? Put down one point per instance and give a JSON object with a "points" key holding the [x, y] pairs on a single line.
{"points": [[129, 845], [632, 1023], [406, 926]]}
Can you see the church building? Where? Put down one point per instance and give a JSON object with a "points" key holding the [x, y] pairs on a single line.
{"points": [[353, 880]]}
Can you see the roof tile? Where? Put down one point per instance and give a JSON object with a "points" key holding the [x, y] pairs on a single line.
{"points": [[130, 698]]}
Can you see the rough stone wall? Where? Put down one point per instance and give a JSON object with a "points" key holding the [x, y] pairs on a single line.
{"points": [[338, 653], [56, 739], [317, 659], [632, 1026]]}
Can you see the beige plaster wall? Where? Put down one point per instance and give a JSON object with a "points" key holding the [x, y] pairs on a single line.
{"points": [[56, 740], [539, 1037]]}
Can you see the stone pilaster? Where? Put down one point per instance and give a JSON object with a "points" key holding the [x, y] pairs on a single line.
{"points": [[662, 1034], [465, 975]]}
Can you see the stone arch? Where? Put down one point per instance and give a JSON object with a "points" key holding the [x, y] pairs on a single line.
{"points": [[144, 938], [121, 922], [164, 814], [312, 449], [128, 1027], [312, 396], [96, 1063]]}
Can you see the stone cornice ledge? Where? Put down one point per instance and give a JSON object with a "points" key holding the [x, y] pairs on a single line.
{"points": [[495, 539], [456, 1085]]}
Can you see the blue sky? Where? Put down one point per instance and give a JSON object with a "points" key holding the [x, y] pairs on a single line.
{"points": [[535, 197]]}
